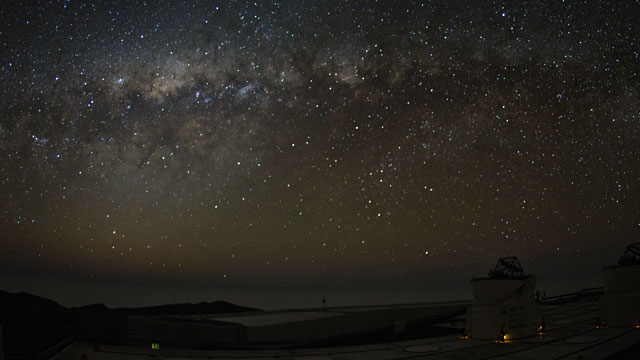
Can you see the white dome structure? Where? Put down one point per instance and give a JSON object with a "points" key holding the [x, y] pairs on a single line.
{"points": [[620, 305], [505, 307]]}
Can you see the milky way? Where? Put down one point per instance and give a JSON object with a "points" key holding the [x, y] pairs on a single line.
{"points": [[231, 144]]}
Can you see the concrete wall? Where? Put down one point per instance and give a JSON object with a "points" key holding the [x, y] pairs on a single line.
{"points": [[347, 323], [141, 330]]}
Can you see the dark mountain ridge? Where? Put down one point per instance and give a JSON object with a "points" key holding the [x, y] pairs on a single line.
{"points": [[36, 327], [22, 302]]}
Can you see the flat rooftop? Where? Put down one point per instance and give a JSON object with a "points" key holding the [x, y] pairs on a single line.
{"points": [[276, 318], [288, 316]]}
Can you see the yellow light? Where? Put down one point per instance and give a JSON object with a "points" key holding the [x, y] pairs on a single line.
{"points": [[503, 338]]}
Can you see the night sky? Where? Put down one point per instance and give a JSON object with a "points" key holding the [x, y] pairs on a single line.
{"points": [[271, 153]]}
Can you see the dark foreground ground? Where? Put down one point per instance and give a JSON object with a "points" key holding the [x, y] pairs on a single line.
{"points": [[37, 328]]}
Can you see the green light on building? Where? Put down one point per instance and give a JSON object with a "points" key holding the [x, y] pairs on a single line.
{"points": [[155, 346]]}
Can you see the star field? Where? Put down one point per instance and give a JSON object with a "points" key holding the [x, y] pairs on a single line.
{"points": [[240, 143]]}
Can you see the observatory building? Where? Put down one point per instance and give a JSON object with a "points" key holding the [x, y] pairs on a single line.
{"points": [[504, 306], [620, 305]]}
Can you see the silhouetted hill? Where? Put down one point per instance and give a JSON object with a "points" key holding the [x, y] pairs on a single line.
{"points": [[21, 302], [17, 304], [92, 307], [216, 307], [35, 327]]}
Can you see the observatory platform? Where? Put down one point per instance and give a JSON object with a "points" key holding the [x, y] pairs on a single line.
{"points": [[504, 304], [620, 305], [570, 333]]}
